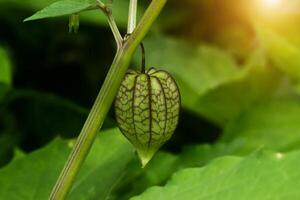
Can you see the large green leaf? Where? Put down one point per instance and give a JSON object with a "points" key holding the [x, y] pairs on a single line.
{"points": [[259, 83], [60, 8], [261, 175], [164, 164], [273, 125], [33, 176], [211, 83]]}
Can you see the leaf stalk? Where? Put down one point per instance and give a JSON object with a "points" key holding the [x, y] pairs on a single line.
{"points": [[107, 10]]}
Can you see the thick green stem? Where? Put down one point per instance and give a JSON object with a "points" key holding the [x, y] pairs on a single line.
{"points": [[103, 102]]}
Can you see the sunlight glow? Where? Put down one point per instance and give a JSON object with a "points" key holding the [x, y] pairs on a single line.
{"points": [[279, 156], [271, 3]]}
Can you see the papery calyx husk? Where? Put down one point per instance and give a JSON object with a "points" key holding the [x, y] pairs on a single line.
{"points": [[147, 110]]}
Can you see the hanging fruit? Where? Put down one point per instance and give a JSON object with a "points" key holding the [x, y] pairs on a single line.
{"points": [[147, 110]]}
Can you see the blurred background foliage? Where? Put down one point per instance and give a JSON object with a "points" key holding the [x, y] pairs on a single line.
{"points": [[237, 64]]}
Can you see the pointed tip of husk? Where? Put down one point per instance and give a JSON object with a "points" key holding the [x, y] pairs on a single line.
{"points": [[145, 161], [145, 157]]}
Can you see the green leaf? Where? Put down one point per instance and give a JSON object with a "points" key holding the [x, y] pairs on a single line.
{"points": [[55, 116], [61, 8], [283, 53], [258, 83], [33, 176], [137, 179], [120, 10], [261, 175], [164, 164], [28, 114], [7, 143], [200, 155], [273, 125]]}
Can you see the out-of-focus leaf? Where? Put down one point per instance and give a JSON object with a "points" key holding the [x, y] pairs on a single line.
{"points": [[3, 90], [274, 125], [18, 154], [60, 8], [257, 176], [201, 68], [5, 73], [211, 83], [5, 68], [29, 120], [33, 176], [259, 83], [40, 117], [283, 53], [7, 143]]}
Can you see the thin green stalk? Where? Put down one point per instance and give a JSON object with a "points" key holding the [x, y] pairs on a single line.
{"points": [[114, 28], [111, 21], [103, 102], [132, 16]]}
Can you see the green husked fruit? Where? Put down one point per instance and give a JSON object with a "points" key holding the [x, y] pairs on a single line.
{"points": [[147, 110]]}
